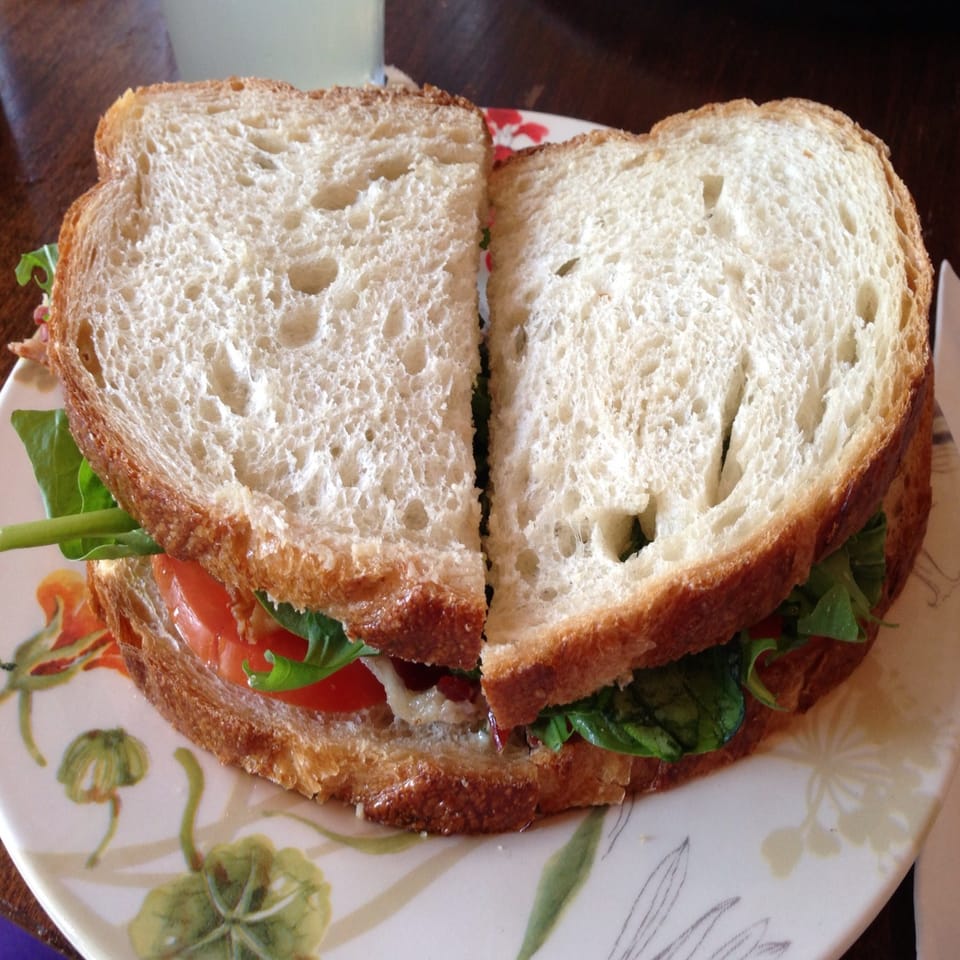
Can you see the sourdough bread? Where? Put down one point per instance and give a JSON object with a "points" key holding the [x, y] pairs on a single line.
{"points": [[449, 778], [265, 323], [711, 340]]}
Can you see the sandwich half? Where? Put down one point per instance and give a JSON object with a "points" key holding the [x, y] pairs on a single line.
{"points": [[265, 323], [709, 436], [709, 352]]}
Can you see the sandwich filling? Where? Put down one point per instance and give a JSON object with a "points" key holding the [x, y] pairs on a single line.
{"points": [[691, 706]]}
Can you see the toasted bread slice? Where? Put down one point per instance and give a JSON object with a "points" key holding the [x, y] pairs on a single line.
{"points": [[709, 350], [449, 778], [265, 323]]}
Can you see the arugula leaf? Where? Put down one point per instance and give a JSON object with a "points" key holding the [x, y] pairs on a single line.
{"points": [[40, 261], [693, 705], [328, 649], [83, 518]]}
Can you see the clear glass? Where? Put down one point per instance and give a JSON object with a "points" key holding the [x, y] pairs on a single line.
{"points": [[309, 43]]}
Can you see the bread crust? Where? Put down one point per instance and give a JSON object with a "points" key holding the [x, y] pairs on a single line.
{"points": [[561, 662], [406, 600], [451, 780]]}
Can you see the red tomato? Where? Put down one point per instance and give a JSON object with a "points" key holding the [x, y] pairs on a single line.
{"points": [[200, 609]]}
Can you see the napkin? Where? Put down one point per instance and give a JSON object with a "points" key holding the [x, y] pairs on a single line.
{"points": [[937, 871], [17, 944]]}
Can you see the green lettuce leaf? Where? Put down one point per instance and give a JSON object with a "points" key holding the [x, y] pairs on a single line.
{"points": [[835, 602], [691, 706], [83, 518], [329, 649], [697, 704]]}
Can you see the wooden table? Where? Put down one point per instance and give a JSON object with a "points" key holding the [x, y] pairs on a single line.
{"points": [[894, 68]]}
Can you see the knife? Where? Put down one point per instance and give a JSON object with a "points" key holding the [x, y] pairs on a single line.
{"points": [[946, 348]]}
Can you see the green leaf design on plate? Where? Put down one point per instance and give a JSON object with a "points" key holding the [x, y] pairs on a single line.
{"points": [[562, 877], [95, 765], [377, 844], [246, 902]]}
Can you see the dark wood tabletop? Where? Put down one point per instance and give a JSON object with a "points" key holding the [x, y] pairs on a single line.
{"points": [[893, 67]]}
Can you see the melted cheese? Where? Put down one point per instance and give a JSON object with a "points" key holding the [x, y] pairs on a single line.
{"points": [[425, 706]]}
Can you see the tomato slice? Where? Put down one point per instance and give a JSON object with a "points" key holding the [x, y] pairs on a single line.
{"points": [[199, 607]]}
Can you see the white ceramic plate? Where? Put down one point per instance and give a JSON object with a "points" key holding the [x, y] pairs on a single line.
{"points": [[788, 853]]}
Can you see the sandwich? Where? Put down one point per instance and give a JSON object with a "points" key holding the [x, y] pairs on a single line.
{"points": [[467, 575]]}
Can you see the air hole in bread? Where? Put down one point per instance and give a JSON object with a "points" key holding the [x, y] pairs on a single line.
{"points": [[712, 188], [131, 228], [460, 135], [906, 310], [391, 168], [193, 290], [415, 515], [868, 300], [313, 276], [729, 470], [88, 352], [567, 540], [624, 534], [292, 219], [519, 342], [847, 351], [847, 219], [566, 266], [231, 388], [527, 563], [269, 142], [633, 162], [414, 356], [811, 410], [298, 327], [244, 180], [393, 322], [264, 162], [334, 196], [349, 471]]}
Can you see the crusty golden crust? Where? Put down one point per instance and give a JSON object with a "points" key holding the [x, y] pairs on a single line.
{"points": [[399, 599], [565, 661], [453, 781]]}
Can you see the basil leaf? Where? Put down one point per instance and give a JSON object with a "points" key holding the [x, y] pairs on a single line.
{"points": [[691, 706], [83, 518], [329, 649], [43, 261]]}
